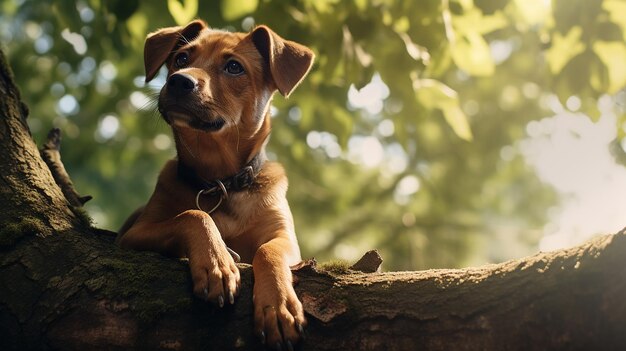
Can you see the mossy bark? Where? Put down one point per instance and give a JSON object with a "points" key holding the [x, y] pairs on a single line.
{"points": [[63, 285], [27, 190]]}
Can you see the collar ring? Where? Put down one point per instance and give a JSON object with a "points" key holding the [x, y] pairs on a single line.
{"points": [[220, 186]]}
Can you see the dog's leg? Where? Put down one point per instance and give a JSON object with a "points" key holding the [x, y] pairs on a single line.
{"points": [[191, 234], [129, 222], [276, 306]]}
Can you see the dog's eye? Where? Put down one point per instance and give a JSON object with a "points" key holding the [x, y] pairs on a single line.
{"points": [[181, 60], [233, 67]]}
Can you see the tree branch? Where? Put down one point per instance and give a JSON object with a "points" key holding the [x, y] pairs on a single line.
{"points": [[51, 154], [28, 192], [77, 290]]}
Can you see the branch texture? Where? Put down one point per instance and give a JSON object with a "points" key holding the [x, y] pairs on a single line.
{"points": [[64, 286]]}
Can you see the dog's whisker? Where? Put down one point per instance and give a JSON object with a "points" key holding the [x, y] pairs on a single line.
{"points": [[151, 105], [197, 144], [182, 141], [238, 137], [183, 38]]}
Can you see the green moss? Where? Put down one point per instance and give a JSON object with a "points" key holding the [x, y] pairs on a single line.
{"points": [[335, 266], [95, 284], [12, 232], [83, 216], [145, 298], [151, 310]]}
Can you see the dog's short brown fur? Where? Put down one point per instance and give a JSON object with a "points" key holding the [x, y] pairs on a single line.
{"points": [[220, 122]]}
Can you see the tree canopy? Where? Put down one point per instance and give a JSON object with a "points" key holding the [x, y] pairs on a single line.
{"points": [[399, 139]]}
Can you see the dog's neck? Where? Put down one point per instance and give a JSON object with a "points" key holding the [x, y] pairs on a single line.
{"points": [[219, 155]]}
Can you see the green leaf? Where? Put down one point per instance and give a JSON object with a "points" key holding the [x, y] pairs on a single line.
{"points": [[465, 4], [183, 12], [473, 21], [434, 95], [340, 124], [564, 48], [418, 53], [616, 10], [613, 55], [471, 53], [598, 76], [361, 5], [137, 26], [533, 12], [323, 6], [458, 121], [232, 10], [401, 25]]}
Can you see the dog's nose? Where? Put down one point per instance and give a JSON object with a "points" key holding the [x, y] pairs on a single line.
{"points": [[181, 84]]}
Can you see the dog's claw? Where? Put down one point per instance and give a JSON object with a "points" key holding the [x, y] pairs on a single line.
{"points": [[220, 301], [262, 337], [231, 298], [205, 294], [301, 330], [235, 255], [289, 346], [279, 347]]}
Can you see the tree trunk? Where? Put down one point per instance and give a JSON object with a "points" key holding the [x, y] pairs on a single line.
{"points": [[65, 285]]}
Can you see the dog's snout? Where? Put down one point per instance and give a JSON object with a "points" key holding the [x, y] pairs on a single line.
{"points": [[181, 84]]}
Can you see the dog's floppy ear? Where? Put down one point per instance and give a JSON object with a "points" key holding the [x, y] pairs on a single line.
{"points": [[288, 61], [160, 44]]}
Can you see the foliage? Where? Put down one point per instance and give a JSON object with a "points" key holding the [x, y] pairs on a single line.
{"points": [[411, 164]]}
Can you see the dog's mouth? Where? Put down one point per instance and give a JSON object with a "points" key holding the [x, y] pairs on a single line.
{"points": [[208, 126], [180, 119]]}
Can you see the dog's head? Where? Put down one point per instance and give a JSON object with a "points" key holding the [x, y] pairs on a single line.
{"points": [[219, 80]]}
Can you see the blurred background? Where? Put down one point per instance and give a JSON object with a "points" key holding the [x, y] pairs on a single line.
{"points": [[444, 133]]}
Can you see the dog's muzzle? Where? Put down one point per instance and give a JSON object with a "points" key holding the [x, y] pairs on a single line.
{"points": [[181, 84], [176, 104]]}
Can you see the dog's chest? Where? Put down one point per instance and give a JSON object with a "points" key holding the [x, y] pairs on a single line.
{"points": [[235, 214]]}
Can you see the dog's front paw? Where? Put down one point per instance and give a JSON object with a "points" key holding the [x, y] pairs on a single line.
{"points": [[215, 275], [279, 316]]}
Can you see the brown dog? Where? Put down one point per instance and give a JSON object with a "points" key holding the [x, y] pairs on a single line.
{"points": [[220, 195]]}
